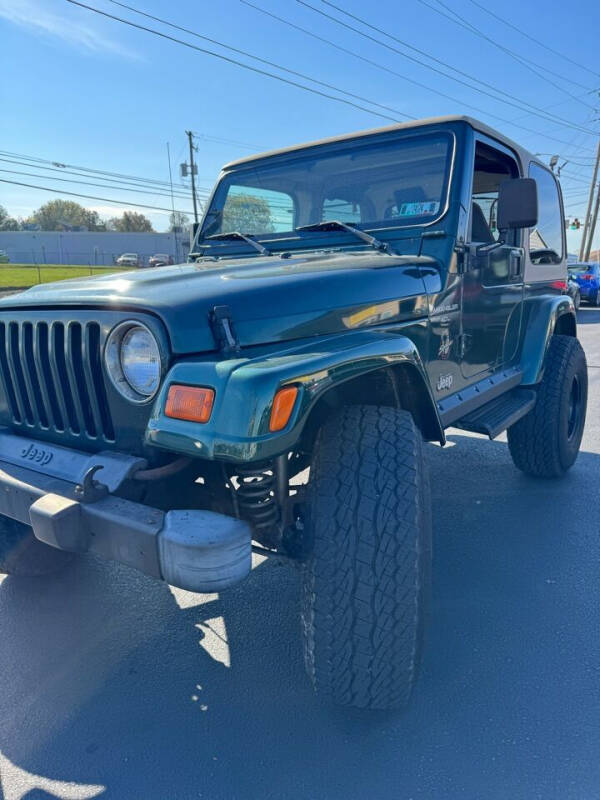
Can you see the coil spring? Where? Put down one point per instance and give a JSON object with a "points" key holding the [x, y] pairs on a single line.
{"points": [[256, 496]]}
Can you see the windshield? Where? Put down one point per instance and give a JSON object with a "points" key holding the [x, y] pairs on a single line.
{"points": [[389, 184]]}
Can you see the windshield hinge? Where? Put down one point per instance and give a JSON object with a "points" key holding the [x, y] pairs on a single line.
{"points": [[462, 258], [223, 330], [464, 343]]}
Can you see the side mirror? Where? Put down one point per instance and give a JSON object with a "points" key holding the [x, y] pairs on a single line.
{"points": [[517, 204]]}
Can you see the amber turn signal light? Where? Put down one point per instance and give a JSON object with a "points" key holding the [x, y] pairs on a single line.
{"points": [[193, 403], [283, 405]]}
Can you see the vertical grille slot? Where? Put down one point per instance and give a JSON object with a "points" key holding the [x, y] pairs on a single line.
{"points": [[61, 376], [75, 352], [93, 364], [30, 373], [46, 379], [53, 379], [7, 377], [14, 361]]}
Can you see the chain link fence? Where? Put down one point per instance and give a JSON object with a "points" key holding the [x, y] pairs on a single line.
{"points": [[95, 258]]}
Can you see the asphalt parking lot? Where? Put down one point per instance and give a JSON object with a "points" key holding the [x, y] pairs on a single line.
{"points": [[114, 686]]}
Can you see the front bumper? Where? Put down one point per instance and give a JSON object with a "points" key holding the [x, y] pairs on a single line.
{"points": [[54, 490]]}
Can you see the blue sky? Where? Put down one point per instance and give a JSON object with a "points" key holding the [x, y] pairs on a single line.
{"points": [[85, 90]]}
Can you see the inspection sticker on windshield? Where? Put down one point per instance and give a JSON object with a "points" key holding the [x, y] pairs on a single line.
{"points": [[419, 209]]}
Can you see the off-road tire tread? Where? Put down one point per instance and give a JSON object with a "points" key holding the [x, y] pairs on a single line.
{"points": [[534, 441], [366, 583]]}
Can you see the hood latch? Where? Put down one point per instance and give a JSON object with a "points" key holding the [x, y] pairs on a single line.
{"points": [[223, 330]]}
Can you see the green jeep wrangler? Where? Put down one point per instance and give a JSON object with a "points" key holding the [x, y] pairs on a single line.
{"points": [[345, 301]]}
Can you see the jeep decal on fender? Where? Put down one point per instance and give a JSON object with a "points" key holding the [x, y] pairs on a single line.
{"points": [[444, 382]]}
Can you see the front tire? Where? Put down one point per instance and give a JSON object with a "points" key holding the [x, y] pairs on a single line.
{"points": [[545, 442], [22, 555], [367, 580]]}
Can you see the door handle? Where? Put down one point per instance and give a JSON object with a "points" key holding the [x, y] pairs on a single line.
{"points": [[515, 262]]}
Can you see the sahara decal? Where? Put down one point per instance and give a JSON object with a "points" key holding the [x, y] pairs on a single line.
{"points": [[445, 308], [445, 345]]}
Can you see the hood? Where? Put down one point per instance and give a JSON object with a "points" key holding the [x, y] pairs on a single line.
{"points": [[270, 299]]}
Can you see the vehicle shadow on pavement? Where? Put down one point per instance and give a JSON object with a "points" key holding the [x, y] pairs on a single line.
{"points": [[110, 680]]}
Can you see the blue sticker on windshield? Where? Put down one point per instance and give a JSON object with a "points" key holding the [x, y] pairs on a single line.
{"points": [[421, 209]]}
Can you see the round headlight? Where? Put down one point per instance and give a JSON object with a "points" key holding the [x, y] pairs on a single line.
{"points": [[133, 361], [140, 361]]}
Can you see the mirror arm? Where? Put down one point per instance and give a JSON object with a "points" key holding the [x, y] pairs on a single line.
{"points": [[469, 252]]}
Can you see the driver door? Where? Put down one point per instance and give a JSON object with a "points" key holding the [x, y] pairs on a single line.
{"points": [[492, 286]]}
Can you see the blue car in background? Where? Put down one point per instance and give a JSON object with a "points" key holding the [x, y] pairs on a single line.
{"points": [[587, 277]]}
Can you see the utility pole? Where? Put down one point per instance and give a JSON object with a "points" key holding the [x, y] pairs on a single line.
{"points": [[190, 136], [174, 218], [588, 213], [590, 237]]}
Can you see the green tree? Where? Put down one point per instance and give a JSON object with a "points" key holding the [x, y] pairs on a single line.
{"points": [[246, 213], [58, 215], [131, 222], [8, 223]]}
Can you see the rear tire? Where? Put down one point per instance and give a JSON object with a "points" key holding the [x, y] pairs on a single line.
{"points": [[545, 442], [22, 555], [367, 580]]}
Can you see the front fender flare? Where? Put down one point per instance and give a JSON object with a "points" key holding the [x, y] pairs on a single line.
{"points": [[541, 316], [238, 429]]}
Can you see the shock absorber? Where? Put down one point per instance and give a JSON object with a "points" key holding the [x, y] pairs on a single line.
{"points": [[257, 501]]}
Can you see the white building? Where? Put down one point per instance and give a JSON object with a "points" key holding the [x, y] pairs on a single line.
{"points": [[89, 248]]}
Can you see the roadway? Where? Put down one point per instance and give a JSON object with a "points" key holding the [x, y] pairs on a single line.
{"points": [[115, 686]]}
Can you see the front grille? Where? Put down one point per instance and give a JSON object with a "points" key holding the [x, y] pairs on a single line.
{"points": [[52, 374]]}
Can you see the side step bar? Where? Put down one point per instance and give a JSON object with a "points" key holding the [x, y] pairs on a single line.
{"points": [[499, 414]]}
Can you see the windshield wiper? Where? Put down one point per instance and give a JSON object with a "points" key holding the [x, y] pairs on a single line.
{"points": [[334, 224], [230, 235]]}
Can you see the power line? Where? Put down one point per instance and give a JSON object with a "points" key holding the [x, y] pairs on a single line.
{"points": [[532, 38], [362, 58], [457, 19], [87, 183], [545, 115], [220, 140], [257, 70], [119, 185], [89, 196], [60, 165], [382, 67], [255, 58], [294, 83]]}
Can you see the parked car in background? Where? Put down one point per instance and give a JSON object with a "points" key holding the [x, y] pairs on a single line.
{"points": [[4, 259], [574, 292], [160, 260], [129, 260], [587, 277]]}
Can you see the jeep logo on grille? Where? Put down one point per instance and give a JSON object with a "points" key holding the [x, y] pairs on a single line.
{"points": [[37, 454]]}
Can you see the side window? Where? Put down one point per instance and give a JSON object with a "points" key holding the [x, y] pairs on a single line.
{"points": [[491, 168], [546, 244]]}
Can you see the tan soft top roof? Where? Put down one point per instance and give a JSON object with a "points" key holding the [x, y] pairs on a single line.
{"points": [[417, 123]]}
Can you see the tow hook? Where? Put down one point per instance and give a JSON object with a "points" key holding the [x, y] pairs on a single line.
{"points": [[90, 490]]}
